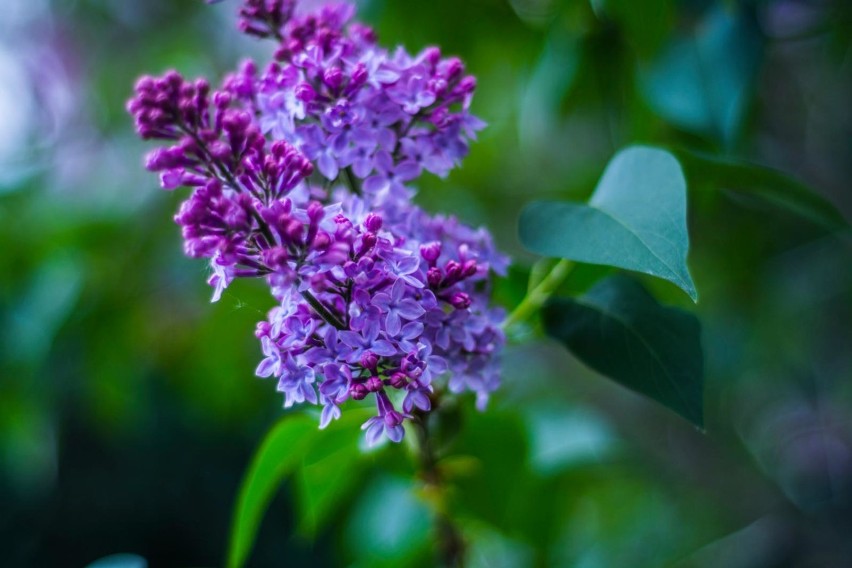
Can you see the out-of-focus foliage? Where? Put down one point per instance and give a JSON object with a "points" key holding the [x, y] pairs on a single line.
{"points": [[619, 330], [128, 408]]}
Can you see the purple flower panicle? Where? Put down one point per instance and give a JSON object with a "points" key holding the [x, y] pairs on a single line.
{"points": [[299, 174]]}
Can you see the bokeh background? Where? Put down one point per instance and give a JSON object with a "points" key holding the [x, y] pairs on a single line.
{"points": [[128, 407]]}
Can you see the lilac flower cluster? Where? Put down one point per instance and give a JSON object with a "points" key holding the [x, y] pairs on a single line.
{"points": [[301, 176]]}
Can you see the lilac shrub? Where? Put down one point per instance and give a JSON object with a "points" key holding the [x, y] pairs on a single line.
{"points": [[301, 174]]}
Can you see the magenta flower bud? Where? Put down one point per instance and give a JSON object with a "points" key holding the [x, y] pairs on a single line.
{"points": [[434, 277], [466, 86], [321, 241], [236, 121], [275, 257], [263, 329], [369, 360], [358, 77], [460, 301], [202, 86], [453, 270], [219, 150], [358, 391], [293, 231], [374, 384], [430, 252], [305, 93], [368, 241], [438, 86], [398, 380], [453, 68], [221, 99], [315, 211], [432, 55], [172, 79], [373, 222], [469, 268], [332, 78], [145, 83]]}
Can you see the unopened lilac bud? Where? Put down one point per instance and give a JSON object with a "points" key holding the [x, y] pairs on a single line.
{"points": [[460, 301], [368, 241], [293, 231], [358, 391], [332, 78], [438, 86], [202, 86], [305, 93], [430, 252], [466, 86], [398, 380], [434, 277], [219, 150], [321, 241], [357, 78], [263, 329], [369, 360], [236, 121], [315, 211], [453, 67], [373, 222], [453, 270], [432, 55], [469, 268], [221, 99], [275, 257], [374, 384]]}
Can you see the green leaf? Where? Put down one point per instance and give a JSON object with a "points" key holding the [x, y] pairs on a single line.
{"points": [[279, 454], [635, 220], [330, 470], [619, 330], [702, 82], [771, 185]]}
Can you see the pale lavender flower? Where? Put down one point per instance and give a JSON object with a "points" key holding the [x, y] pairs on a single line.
{"points": [[396, 306]]}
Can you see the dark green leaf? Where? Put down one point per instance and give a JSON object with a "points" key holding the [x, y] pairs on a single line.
{"points": [[701, 82], [772, 185], [279, 454], [635, 220], [619, 330]]}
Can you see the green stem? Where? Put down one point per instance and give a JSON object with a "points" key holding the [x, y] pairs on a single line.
{"points": [[451, 544], [536, 297]]}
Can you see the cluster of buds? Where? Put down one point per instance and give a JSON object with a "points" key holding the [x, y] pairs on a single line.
{"points": [[300, 176]]}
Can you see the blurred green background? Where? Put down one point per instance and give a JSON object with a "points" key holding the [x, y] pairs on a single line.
{"points": [[128, 406]]}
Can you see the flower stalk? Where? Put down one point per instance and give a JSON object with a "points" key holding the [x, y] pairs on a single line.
{"points": [[539, 294], [450, 541]]}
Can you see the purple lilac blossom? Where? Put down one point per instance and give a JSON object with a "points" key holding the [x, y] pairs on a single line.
{"points": [[299, 175]]}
